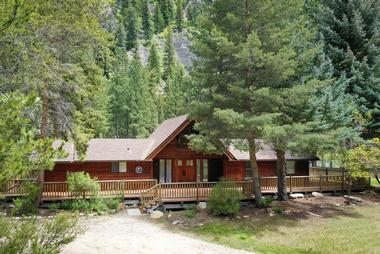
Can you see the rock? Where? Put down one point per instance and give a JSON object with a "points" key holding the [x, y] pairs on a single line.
{"points": [[3, 240], [271, 214], [202, 206], [238, 217], [337, 204], [200, 224], [297, 195], [353, 199], [169, 215], [245, 216], [113, 211], [176, 222], [39, 217], [316, 194], [287, 212], [50, 217], [91, 215], [81, 214], [11, 206], [156, 215]]}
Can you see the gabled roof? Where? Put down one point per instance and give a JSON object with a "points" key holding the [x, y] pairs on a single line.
{"points": [[266, 153], [100, 149]]}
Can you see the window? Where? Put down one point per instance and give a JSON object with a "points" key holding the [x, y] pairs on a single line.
{"points": [[119, 167], [248, 169], [290, 167], [181, 139], [179, 162], [198, 164], [205, 170], [189, 163]]}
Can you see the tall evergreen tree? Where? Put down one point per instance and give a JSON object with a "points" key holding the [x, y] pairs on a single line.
{"points": [[154, 65], [179, 15], [169, 54], [132, 26], [147, 20], [120, 36], [351, 33], [247, 50], [158, 19]]}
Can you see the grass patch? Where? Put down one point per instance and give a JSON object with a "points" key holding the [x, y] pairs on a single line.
{"points": [[355, 233]]}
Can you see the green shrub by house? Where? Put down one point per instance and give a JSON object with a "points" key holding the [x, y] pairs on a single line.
{"points": [[81, 184], [224, 199]]}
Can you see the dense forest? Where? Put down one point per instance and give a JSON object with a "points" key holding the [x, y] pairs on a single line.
{"points": [[296, 73]]}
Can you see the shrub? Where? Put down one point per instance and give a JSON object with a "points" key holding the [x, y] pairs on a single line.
{"points": [[54, 207], [265, 202], [80, 184], [277, 209], [26, 205], [33, 236], [191, 212], [112, 203], [224, 199], [97, 205]]}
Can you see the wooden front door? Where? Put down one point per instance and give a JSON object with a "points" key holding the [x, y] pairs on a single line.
{"points": [[185, 170]]}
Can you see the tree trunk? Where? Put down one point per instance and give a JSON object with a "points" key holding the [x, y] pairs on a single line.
{"points": [[43, 130], [255, 172], [282, 194]]}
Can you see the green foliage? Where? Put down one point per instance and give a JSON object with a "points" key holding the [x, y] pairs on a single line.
{"points": [[265, 202], [131, 24], [191, 212], [350, 34], [18, 139], [224, 199], [179, 15], [97, 205], [169, 55], [147, 25], [158, 19], [33, 236], [81, 184], [277, 209], [53, 207]]}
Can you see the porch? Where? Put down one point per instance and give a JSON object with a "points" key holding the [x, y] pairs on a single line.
{"points": [[150, 191]]}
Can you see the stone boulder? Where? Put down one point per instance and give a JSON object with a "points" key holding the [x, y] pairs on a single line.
{"points": [[316, 194], [202, 206], [353, 199], [156, 215], [296, 195]]}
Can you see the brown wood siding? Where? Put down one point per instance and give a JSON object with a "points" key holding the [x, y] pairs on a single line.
{"points": [[100, 170], [234, 170], [172, 152]]}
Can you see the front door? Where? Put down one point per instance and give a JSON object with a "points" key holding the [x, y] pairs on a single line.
{"points": [[185, 170]]}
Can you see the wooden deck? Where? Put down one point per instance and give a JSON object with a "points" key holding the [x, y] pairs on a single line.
{"points": [[150, 191]]}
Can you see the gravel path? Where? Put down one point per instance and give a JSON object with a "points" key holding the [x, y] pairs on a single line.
{"points": [[127, 234]]}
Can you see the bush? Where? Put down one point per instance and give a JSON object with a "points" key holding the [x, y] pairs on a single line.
{"points": [[191, 212], [54, 207], [26, 205], [97, 205], [265, 202], [34, 236], [80, 184], [277, 209], [224, 199], [112, 203]]}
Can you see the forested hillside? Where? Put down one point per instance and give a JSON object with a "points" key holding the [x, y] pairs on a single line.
{"points": [[116, 69]]}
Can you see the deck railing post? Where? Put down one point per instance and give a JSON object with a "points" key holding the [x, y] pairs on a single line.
{"points": [[123, 186], [290, 183], [320, 183], [159, 193], [197, 197]]}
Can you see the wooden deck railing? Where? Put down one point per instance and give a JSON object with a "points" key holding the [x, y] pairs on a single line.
{"points": [[16, 187], [149, 191]]}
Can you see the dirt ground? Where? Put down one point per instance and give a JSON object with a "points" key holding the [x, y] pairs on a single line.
{"points": [[301, 208], [121, 233]]}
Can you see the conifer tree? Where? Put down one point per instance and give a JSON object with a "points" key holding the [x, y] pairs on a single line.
{"points": [[352, 42], [169, 54], [158, 19], [154, 65], [179, 15], [147, 20], [131, 24], [120, 36], [247, 51]]}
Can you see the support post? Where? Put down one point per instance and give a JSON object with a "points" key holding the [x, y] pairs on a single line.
{"points": [[291, 187], [320, 183], [123, 186], [197, 195], [159, 193]]}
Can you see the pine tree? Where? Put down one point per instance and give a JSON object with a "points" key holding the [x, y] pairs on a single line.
{"points": [[179, 16], [147, 21], [120, 36], [247, 51], [166, 14], [169, 54], [158, 19], [175, 95], [154, 65], [131, 24], [351, 35]]}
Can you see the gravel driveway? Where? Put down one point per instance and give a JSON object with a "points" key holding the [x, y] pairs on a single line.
{"points": [[127, 234]]}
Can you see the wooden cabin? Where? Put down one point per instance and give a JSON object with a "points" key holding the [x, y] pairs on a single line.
{"points": [[166, 157]]}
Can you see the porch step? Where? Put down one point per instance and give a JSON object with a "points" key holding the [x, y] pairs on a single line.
{"points": [[133, 212]]}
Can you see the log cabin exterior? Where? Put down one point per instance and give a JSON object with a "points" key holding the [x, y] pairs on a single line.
{"points": [[164, 156]]}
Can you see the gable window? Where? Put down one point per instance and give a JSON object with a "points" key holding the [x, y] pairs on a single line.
{"points": [[290, 167], [181, 139], [119, 167]]}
